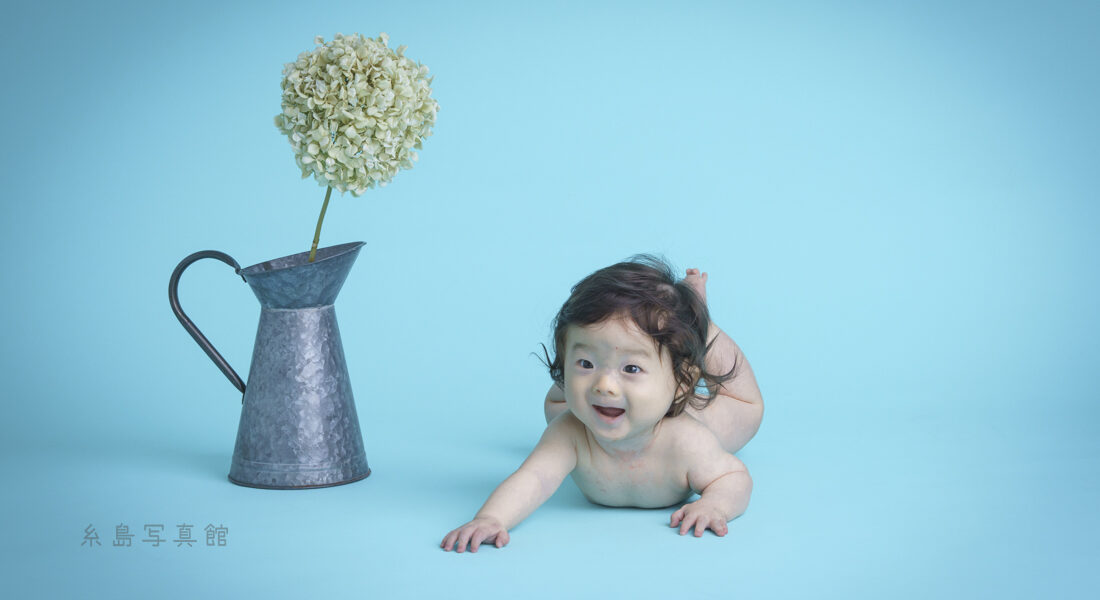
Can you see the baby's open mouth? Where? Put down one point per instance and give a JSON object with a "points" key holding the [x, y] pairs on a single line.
{"points": [[609, 412]]}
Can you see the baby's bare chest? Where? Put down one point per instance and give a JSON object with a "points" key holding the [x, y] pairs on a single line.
{"points": [[653, 483]]}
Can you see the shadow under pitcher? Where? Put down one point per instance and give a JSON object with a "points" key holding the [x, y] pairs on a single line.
{"points": [[299, 428]]}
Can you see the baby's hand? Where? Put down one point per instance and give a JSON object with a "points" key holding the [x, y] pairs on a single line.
{"points": [[703, 515], [481, 529]]}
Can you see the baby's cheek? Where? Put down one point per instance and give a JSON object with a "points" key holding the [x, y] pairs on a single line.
{"points": [[573, 388], [570, 398]]}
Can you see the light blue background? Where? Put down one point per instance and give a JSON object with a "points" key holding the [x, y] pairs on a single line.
{"points": [[896, 203]]}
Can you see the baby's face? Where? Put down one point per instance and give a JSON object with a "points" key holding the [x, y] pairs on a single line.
{"points": [[615, 382]]}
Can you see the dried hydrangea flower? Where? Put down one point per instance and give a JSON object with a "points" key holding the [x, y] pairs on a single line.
{"points": [[354, 110]]}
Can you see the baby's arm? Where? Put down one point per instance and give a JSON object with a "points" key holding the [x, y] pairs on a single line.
{"points": [[723, 485], [520, 494]]}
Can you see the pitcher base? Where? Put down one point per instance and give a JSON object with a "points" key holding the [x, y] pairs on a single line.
{"points": [[303, 486], [293, 476]]}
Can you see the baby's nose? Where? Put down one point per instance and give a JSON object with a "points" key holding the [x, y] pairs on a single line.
{"points": [[605, 386]]}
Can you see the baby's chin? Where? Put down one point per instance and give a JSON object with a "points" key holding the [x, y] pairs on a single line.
{"points": [[619, 430]]}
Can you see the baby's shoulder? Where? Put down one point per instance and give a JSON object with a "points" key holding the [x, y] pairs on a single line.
{"points": [[690, 439], [566, 425], [698, 452], [684, 429]]}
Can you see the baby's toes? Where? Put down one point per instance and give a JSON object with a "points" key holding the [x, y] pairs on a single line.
{"points": [[698, 282]]}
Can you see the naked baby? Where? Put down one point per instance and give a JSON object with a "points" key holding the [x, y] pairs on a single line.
{"points": [[631, 344]]}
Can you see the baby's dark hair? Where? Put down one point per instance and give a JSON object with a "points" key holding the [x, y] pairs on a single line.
{"points": [[667, 310]]}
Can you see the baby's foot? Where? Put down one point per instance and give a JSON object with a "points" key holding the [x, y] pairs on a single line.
{"points": [[698, 282]]}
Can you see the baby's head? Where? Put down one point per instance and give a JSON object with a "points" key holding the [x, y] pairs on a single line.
{"points": [[644, 291]]}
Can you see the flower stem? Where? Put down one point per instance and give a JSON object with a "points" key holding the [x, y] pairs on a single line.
{"points": [[321, 219]]}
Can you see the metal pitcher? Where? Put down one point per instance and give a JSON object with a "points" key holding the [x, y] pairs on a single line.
{"points": [[299, 428]]}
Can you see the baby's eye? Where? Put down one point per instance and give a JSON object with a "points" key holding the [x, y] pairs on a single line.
{"points": [[584, 364], [629, 367]]}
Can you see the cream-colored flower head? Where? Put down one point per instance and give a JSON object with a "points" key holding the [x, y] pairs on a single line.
{"points": [[354, 109]]}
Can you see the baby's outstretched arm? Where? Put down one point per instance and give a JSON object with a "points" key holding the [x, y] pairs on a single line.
{"points": [[521, 493]]}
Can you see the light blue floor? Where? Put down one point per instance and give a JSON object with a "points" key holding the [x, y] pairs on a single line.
{"points": [[896, 206], [908, 502]]}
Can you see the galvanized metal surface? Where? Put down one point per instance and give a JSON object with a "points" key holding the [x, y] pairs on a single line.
{"points": [[299, 427]]}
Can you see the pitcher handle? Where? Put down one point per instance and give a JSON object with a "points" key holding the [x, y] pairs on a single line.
{"points": [[173, 299]]}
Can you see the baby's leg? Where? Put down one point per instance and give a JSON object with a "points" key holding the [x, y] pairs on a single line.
{"points": [[732, 421], [555, 403], [735, 413]]}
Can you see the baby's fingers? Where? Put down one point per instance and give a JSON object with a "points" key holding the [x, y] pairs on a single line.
{"points": [[685, 525], [464, 537], [478, 537], [488, 535], [676, 517], [449, 541], [715, 524]]}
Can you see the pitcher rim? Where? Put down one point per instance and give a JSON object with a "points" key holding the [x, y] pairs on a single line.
{"points": [[257, 269]]}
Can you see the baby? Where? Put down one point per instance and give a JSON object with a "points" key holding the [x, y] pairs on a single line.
{"points": [[630, 345]]}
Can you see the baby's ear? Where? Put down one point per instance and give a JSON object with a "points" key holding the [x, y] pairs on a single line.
{"points": [[694, 371], [687, 388]]}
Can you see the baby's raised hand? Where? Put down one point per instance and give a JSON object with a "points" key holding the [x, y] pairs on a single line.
{"points": [[703, 515], [481, 529]]}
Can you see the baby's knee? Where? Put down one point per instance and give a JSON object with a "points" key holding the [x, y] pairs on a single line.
{"points": [[749, 423], [733, 421], [552, 409]]}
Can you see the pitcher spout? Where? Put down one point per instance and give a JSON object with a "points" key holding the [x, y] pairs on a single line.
{"points": [[294, 282]]}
